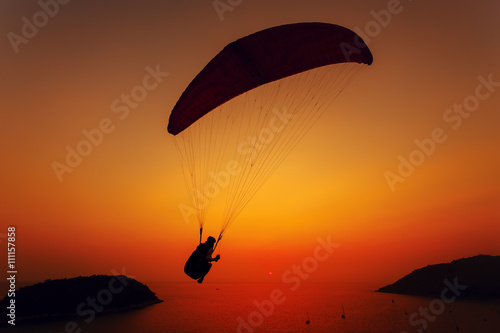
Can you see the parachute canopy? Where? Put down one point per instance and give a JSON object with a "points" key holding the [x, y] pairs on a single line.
{"points": [[252, 103], [263, 57]]}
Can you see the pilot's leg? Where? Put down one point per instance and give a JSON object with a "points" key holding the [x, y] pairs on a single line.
{"points": [[207, 269]]}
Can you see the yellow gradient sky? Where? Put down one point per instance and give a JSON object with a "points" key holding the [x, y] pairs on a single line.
{"points": [[118, 207]]}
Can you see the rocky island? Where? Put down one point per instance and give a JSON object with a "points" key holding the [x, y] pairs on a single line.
{"points": [[80, 297], [474, 277]]}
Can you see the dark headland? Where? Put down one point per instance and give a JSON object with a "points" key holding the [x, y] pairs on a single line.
{"points": [[80, 298], [478, 277]]}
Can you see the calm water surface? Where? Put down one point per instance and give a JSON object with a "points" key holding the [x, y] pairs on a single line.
{"points": [[250, 308]]}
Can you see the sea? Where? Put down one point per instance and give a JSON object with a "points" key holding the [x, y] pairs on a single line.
{"points": [[212, 307]]}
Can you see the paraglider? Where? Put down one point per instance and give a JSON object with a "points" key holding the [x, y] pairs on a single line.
{"points": [[250, 105], [199, 263]]}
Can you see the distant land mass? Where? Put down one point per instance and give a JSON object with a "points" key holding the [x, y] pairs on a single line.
{"points": [[476, 277], [82, 298]]}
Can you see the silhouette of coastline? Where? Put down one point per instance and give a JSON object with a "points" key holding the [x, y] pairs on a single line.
{"points": [[79, 297], [480, 275]]}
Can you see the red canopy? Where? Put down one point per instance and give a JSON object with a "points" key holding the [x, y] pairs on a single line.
{"points": [[263, 57]]}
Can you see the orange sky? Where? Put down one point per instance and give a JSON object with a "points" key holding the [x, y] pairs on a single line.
{"points": [[118, 208]]}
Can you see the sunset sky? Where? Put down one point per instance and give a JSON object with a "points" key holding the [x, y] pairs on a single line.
{"points": [[117, 208]]}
